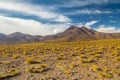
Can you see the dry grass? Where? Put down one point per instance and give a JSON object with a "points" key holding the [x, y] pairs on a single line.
{"points": [[88, 60]]}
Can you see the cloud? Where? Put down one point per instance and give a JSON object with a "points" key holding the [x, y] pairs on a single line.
{"points": [[88, 12], [42, 12], [89, 24], [107, 29], [112, 21], [77, 3], [9, 25]]}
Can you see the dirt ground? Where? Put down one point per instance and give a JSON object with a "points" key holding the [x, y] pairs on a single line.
{"points": [[90, 60]]}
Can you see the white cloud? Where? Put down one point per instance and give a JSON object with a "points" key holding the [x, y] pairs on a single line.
{"points": [[112, 21], [29, 9], [86, 11], [89, 12], [107, 29], [76, 3], [89, 24], [9, 25]]}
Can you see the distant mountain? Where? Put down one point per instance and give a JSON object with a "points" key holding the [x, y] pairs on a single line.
{"points": [[2, 35], [18, 38], [77, 33], [73, 33]]}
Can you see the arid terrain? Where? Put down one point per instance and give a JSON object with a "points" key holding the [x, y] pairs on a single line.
{"points": [[59, 39], [85, 60], [73, 33]]}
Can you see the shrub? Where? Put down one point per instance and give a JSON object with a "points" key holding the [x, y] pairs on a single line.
{"points": [[13, 71], [31, 61], [6, 62], [61, 57], [88, 60], [15, 56], [38, 69], [10, 73], [73, 64], [83, 56], [106, 70], [95, 68], [98, 55], [118, 58], [68, 71], [106, 75]]}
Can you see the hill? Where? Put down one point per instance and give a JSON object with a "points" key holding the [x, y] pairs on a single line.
{"points": [[73, 33]]}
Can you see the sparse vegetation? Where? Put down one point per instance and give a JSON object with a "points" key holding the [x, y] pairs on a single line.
{"points": [[98, 59]]}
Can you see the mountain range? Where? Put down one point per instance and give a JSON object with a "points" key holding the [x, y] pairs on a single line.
{"points": [[73, 33]]}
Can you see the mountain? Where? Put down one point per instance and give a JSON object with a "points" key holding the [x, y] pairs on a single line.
{"points": [[73, 33], [2, 35], [17, 38]]}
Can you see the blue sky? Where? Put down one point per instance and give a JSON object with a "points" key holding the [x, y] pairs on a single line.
{"points": [[46, 17]]}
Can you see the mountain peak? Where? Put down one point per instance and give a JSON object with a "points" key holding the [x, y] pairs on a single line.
{"points": [[72, 27], [83, 27], [76, 27], [16, 34]]}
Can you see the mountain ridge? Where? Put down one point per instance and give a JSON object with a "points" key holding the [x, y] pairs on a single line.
{"points": [[73, 33]]}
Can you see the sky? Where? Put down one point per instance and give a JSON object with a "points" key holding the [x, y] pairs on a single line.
{"points": [[48, 17]]}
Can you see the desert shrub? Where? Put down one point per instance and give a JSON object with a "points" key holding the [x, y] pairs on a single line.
{"points": [[83, 56], [6, 62], [98, 55], [118, 58], [61, 57], [72, 65], [42, 58], [12, 72], [95, 68], [68, 71], [106, 69], [115, 53], [92, 53], [87, 60], [38, 69], [15, 56], [31, 61], [73, 54], [90, 60], [80, 52], [25, 53], [106, 75]]}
